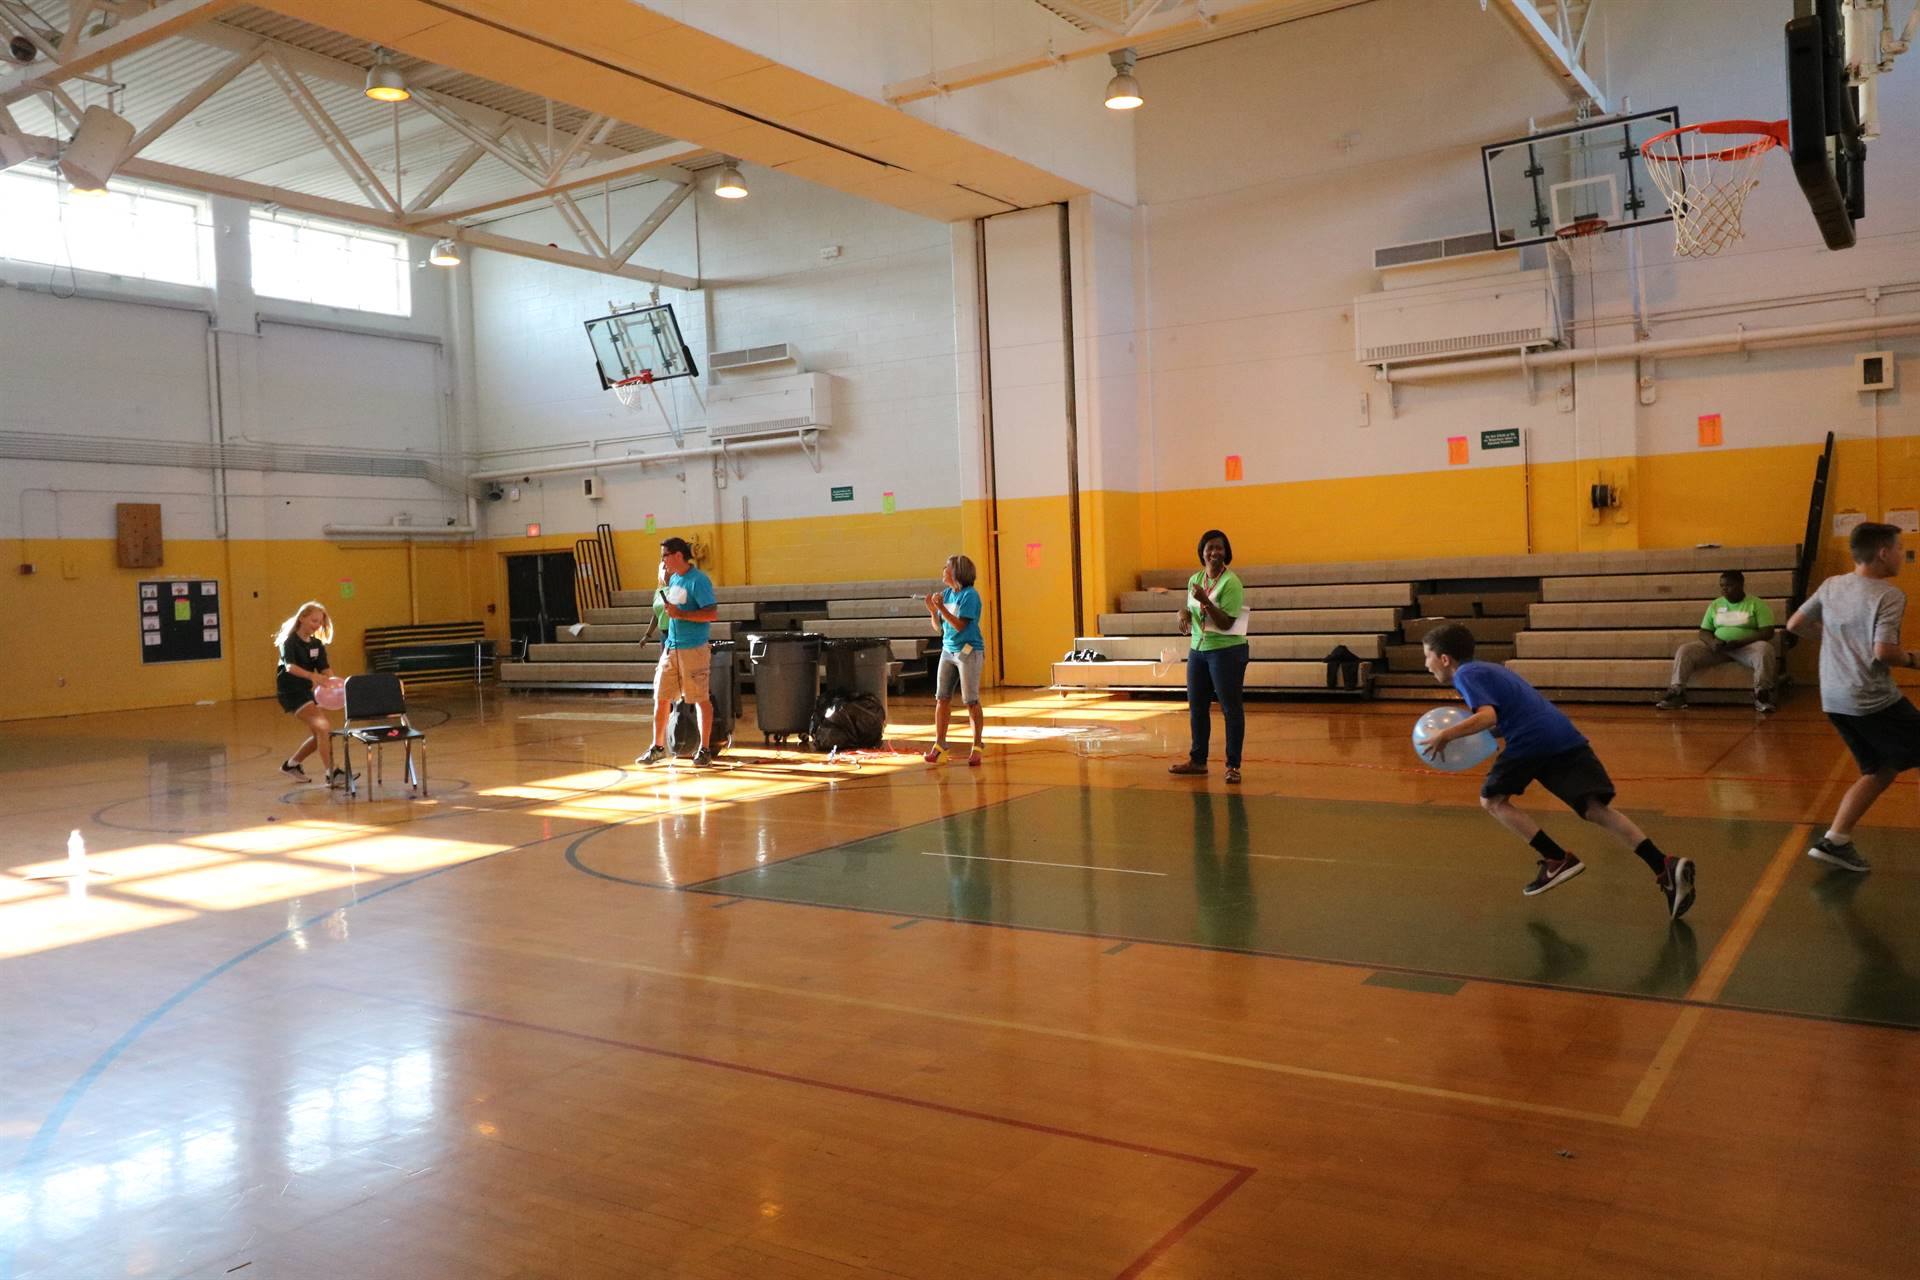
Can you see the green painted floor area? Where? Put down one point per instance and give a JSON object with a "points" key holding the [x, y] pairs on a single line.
{"points": [[1410, 887], [1839, 944]]}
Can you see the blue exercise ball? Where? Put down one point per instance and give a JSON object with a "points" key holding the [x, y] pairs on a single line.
{"points": [[1461, 753]]}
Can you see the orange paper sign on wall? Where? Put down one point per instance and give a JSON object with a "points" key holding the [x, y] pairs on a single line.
{"points": [[533, 531], [1033, 555], [1456, 451], [1709, 429], [1233, 466]]}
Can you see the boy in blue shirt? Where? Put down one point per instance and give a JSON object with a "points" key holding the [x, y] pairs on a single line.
{"points": [[686, 664], [1540, 745], [956, 616]]}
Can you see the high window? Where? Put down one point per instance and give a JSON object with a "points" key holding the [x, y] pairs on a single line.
{"points": [[331, 264], [131, 230]]}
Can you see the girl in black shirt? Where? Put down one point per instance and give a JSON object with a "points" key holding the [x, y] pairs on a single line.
{"points": [[302, 642]]}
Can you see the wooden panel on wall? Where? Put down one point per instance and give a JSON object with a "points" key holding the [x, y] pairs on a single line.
{"points": [[138, 534]]}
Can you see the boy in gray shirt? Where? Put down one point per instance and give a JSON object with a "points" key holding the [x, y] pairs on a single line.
{"points": [[1859, 617]]}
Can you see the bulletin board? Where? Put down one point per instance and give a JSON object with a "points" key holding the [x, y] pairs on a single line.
{"points": [[180, 620]]}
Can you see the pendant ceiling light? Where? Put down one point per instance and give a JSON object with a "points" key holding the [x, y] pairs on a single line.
{"points": [[384, 81], [731, 185], [1123, 91]]}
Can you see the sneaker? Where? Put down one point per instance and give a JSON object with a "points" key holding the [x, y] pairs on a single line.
{"points": [[1676, 882], [973, 758], [294, 771], [1553, 873], [1675, 700], [1233, 776], [1764, 704], [1188, 768], [341, 778], [1844, 856], [935, 755], [703, 759], [652, 755]]}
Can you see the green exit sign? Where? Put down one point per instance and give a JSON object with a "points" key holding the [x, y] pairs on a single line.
{"points": [[1505, 438], [843, 493]]}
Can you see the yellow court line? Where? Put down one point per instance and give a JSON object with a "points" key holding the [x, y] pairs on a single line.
{"points": [[1086, 1037], [1727, 953]]}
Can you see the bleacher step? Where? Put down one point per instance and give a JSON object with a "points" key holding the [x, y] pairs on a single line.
{"points": [[1562, 564], [1286, 622], [1602, 644], [1334, 596], [1648, 674], [1307, 648], [1173, 675], [1623, 615], [1699, 587]]}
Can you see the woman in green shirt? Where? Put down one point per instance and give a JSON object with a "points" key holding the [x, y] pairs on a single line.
{"points": [[1217, 660]]}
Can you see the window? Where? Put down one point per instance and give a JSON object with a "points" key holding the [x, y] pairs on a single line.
{"points": [[134, 231], [330, 264]]}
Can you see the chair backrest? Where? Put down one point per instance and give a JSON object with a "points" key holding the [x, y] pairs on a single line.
{"points": [[374, 696]]}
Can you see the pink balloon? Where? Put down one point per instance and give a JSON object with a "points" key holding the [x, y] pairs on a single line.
{"points": [[331, 694]]}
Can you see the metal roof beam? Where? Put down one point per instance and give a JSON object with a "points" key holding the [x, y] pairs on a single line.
{"points": [[1151, 24], [331, 135], [359, 215], [655, 162], [1562, 59], [166, 19], [192, 100], [650, 224]]}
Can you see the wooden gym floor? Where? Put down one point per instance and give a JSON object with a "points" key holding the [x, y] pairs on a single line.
{"points": [[1058, 1016]]}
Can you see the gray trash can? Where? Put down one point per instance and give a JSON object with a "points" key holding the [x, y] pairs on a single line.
{"points": [[856, 665], [724, 691], [786, 681]]}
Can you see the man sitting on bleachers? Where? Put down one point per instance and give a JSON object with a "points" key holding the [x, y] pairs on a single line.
{"points": [[1738, 628]]}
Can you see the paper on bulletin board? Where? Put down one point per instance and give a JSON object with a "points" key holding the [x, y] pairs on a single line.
{"points": [[1845, 522], [1456, 451], [183, 611], [1907, 518]]}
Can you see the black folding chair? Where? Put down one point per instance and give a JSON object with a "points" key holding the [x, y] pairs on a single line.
{"points": [[377, 718]]}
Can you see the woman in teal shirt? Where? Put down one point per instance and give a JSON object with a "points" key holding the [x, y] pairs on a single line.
{"points": [[1217, 660]]}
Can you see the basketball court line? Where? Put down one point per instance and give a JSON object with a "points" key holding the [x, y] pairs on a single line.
{"points": [[1081, 1037], [1167, 1240], [1034, 862], [1727, 953]]}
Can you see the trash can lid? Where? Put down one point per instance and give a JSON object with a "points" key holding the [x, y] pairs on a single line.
{"points": [[725, 646], [784, 637], [854, 642]]}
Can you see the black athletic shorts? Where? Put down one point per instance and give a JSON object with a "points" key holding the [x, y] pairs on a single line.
{"points": [[1885, 739], [1576, 777], [292, 692]]}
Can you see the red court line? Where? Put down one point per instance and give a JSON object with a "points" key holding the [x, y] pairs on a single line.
{"points": [[1137, 1267]]}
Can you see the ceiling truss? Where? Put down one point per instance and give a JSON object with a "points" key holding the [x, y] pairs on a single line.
{"points": [[554, 163], [1557, 31]]}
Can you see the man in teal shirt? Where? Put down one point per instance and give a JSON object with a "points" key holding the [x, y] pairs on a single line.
{"points": [[1738, 628], [686, 664]]}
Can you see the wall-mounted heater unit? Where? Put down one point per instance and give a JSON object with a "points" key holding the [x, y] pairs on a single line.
{"points": [[769, 406], [1502, 313]]}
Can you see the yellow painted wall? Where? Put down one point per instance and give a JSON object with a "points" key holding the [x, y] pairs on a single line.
{"points": [[71, 631]]}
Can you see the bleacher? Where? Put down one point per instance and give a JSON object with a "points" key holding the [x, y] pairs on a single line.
{"points": [[605, 652], [1581, 626]]}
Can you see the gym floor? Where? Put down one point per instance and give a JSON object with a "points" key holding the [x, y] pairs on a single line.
{"points": [[1060, 1015]]}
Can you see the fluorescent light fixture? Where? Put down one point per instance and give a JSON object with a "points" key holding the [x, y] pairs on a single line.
{"points": [[384, 81], [445, 253], [731, 185], [1123, 91]]}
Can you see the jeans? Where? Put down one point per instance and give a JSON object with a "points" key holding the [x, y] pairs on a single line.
{"points": [[1217, 673]]}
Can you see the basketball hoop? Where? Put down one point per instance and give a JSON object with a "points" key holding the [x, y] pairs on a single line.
{"points": [[1706, 190], [628, 389], [1578, 240]]}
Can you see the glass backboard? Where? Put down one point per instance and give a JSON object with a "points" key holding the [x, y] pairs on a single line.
{"points": [[643, 342], [1545, 181]]}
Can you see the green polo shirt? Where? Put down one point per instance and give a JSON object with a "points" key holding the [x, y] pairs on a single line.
{"points": [[1227, 596], [1737, 623]]}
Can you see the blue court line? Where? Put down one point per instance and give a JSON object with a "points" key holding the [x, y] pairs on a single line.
{"points": [[29, 1164]]}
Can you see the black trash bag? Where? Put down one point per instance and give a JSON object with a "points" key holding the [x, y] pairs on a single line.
{"points": [[683, 728], [1343, 668], [853, 723]]}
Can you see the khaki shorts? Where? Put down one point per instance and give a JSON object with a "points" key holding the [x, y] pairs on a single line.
{"points": [[683, 673]]}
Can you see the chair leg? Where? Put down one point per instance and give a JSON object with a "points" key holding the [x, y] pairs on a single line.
{"points": [[423, 767]]}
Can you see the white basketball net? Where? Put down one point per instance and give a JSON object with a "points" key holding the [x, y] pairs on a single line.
{"points": [[1706, 190], [629, 389]]}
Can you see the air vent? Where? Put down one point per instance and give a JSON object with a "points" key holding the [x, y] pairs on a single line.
{"points": [[744, 357], [1407, 255]]}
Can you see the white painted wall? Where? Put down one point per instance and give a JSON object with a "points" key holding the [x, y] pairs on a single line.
{"points": [[1268, 171], [128, 360], [879, 316], [1055, 120]]}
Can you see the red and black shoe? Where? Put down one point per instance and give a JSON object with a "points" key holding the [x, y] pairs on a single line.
{"points": [[1554, 873]]}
